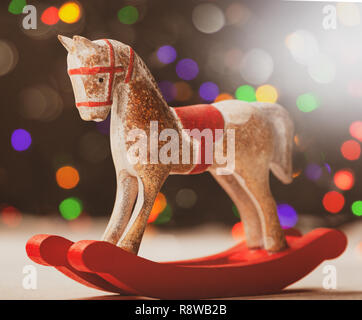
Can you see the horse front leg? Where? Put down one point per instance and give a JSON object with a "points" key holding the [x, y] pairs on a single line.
{"points": [[127, 189], [150, 183]]}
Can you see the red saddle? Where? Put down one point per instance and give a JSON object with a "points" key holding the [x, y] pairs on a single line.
{"points": [[201, 116]]}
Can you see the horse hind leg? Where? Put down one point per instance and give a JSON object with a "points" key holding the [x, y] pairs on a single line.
{"points": [[256, 182], [245, 206]]}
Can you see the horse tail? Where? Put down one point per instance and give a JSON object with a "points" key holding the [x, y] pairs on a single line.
{"points": [[281, 163]]}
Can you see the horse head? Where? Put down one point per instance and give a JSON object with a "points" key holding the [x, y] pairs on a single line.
{"points": [[95, 69]]}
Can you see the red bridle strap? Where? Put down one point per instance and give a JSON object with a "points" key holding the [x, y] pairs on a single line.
{"points": [[111, 70]]}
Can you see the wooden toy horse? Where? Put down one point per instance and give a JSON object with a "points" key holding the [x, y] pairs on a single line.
{"points": [[108, 75]]}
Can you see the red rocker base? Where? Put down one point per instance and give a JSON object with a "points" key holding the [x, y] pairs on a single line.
{"points": [[234, 272]]}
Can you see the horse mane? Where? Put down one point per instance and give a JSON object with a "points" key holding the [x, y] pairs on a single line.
{"points": [[148, 75]]}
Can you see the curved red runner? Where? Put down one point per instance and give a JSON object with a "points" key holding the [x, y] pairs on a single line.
{"points": [[234, 272]]}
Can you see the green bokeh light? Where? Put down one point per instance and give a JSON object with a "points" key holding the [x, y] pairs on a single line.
{"points": [[71, 208], [307, 102], [245, 93], [128, 15], [16, 6], [357, 208], [165, 216], [235, 211]]}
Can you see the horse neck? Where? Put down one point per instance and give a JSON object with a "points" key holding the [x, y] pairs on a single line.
{"points": [[140, 101]]}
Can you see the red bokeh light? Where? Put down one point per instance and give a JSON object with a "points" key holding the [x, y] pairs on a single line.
{"points": [[351, 150], [237, 231], [356, 130], [333, 201], [11, 216], [344, 179], [50, 16]]}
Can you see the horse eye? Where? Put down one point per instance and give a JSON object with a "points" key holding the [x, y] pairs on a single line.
{"points": [[100, 79]]}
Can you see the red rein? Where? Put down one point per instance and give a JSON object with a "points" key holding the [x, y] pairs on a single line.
{"points": [[111, 70]]}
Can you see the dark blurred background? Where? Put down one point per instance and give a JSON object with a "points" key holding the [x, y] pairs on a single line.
{"points": [[251, 50]]}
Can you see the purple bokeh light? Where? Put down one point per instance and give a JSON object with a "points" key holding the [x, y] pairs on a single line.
{"points": [[187, 69], [166, 54], [209, 91], [287, 215], [168, 90], [104, 126], [21, 140], [313, 171]]}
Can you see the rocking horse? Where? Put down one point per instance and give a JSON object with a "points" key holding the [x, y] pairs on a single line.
{"points": [[108, 76]]}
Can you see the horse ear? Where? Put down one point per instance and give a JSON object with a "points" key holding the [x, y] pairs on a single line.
{"points": [[68, 43], [82, 43]]}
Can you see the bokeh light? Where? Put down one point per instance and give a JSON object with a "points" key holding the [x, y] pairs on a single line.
{"points": [[50, 16], [128, 15], [159, 205], [344, 179], [355, 130], [307, 102], [358, 250], [303, 46], [333, 201], [70, 12], [322, 69], [348, 14], [16, 6], [166, 54], [355, 88], [232, 58], [40, 102], [287, 215], [235, 211], [104, 126], [357, 208], [245, 93], [71, 208], [237, 14], [186, 198], [351, 150], [237, 232], [10, 216], [223, 97], [256, 66], [209, 91], [67, 177], [313, 171], [187, 69], [266, 93], [297, 173], [21, 140], [208, 18], [8, 57], [165, 216], [183, 91], [168, 90]]}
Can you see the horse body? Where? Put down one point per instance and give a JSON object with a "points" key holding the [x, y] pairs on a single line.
{"points": [[108, 76]]}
